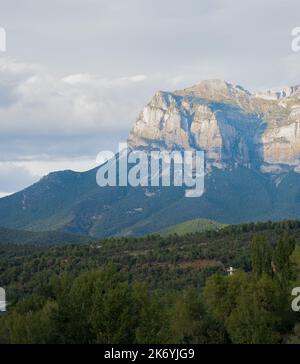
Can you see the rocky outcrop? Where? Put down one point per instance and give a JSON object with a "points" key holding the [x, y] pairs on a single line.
{"points": [[232, 126]]}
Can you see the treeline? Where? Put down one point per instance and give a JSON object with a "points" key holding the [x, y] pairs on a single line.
{"points": [[107, 306], [173, 262]]}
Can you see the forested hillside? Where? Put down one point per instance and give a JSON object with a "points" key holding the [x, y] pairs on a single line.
{"points": [[127, 290], [20, 237]]}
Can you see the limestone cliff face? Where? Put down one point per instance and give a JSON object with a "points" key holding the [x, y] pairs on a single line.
{"points": [[171, 122], [232, 126]]}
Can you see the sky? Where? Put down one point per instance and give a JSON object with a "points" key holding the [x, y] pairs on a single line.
{"points": [[76, 73]]}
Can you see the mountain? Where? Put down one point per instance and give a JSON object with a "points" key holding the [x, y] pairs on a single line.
{"points": [[192, 226], [43, 238], [252, 148], [232, 126]]}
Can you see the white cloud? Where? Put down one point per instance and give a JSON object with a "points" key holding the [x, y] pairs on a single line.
{"points": [[38, 168], [40, 103], [14, 177], [17, 175]]}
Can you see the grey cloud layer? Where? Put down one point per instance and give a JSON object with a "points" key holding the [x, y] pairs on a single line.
{"points": [[77, 72], [116, 38]]}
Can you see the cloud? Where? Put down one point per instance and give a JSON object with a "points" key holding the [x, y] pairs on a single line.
{"points": [[17, 175], [51, 122], [36, 102], [292, 64], [14, 177], [78, 73], [72, 115]]}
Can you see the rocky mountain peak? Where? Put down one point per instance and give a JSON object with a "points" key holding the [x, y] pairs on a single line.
{"points": [[232, 126], [215, 89], [279, 94]]}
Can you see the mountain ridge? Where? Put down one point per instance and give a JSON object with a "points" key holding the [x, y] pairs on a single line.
{"points": [[252, 153], [42, 238]]}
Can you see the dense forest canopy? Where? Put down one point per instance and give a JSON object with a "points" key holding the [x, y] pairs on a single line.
{"points": [[130, 290]]}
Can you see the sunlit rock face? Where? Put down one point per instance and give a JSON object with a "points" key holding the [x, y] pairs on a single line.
{"points": [[232, 125]]}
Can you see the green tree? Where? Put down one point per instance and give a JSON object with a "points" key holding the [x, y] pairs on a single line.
{"points": [[151, 312], [261, 256], [32, 327], [190, 322], [282, 260], [220, 294], [98, 309], [256, 318]]}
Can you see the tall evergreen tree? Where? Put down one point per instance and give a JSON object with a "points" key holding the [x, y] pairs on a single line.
{"points": [[261, 256], [282, 259]]}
